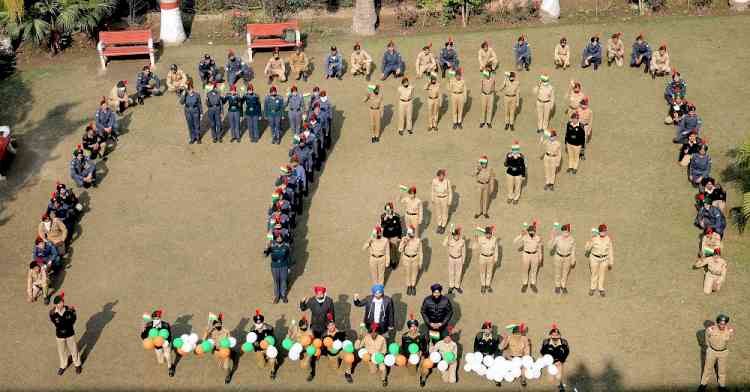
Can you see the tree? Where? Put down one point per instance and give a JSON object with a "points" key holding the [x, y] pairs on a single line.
{"points": [[741, 175], [364, 17]]}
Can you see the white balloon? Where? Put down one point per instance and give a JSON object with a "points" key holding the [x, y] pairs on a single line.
{"points": [[481, 370], [272, 352], [194, 337], [296, 347], [435, 357], [552, 370], [337, 345], [389, 360], [361, 353], [467, 367], [516, 361], [188, 347], [527, 361], [184, 337], [469, 357], [232, 341], [536, 374], [548, 360], [508, 377], [442, 366], [490, 375], [528, 373], [414, 359], [488, 360], [294, 356], [252, 337]]}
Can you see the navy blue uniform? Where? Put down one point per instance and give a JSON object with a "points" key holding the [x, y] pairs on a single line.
{"points": [[252, 115], [234, 112], [193, 111]]}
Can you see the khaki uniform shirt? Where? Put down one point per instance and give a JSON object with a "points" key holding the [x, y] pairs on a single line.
{"points": [[411, 248], [433, 90], [375, 101], [661, 60], [487, 57], [444, 347], [412, 207], [176, 79], [561, 51], [717, 339], [274, 65], [456, 247], [552, 148], [487, 247], [510, 89], [714, 264], [488, 85], [574, 99], [615, 48], [586, 116], [298, 62], [564, 245], [425, 62], [528, 243], [57, 231], [517, 345], [601, 246], [442, 189], [545, 92], [485, 175], [379, 249], [457, 86], [405, 93], [377, 345], [358, 59]]}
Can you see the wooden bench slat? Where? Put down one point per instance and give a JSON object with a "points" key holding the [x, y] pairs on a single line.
{"points": [[271, 43], [126, 50]]}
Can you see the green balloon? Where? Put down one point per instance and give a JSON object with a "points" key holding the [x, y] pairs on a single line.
{"points": [[349, 348], [164, 333], [287, 343], [449, 357], [271, 340], [248, 347], [310, 350], [153, 332], [413, 348], [378, 358], [207, 346], [177, 343], [333, 351], [394, 348], [224, 343]]}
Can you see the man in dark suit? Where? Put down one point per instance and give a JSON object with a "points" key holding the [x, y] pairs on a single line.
{"points": [[378, 309]]}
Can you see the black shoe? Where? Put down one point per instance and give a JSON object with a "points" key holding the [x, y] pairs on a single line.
{"points": [[564, 291], [481, 125], [79, 369], [60, 371], [410, 131], [450, 290], [372, 140], [367, 78], [575, 171], [582, 157], [401, 132], [460, 290], [507, 126], [509, 201], [273, 375], [534, 289], [524, 287], [377, 139], [476, 216], [596, 66], [512, 128], [460, 126], [46, 300], [221, 140], [310, 377], [523, 382], [546, 187], [385, 383], [275, 300], [489, 289], [498, 384], [483, 290], [557, 290], [591, 293], [284, 299], [723, 389], [191, 142], [488, 125], [602, 293], [227, 379], [701, 388], [561, 387], [347, 377], [552, 187], [486, 216], [515, 202], [421, 382], [171, 372], [539, 130]]}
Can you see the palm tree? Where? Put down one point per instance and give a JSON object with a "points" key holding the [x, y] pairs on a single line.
{"points": [[14, 8], [738, 172], [364, 17]]}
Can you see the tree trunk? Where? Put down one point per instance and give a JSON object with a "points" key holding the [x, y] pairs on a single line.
{"points": [[364, 17]]}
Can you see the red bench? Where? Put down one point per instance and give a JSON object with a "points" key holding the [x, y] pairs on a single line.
{"points": [[125, 43], [270, 35]]}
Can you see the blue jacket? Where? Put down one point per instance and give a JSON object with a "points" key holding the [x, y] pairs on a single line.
{"points": [[192, 103], [449, 56], [80, 169], [333, 61], [105, 119], [252, 105], [295, 103], [522, 50], [274, 105], [688, 123], [234, 103], [48, 253], [143, 79], [700, 166], [234, 65], [642, 49], [281, 255], [712, 218], [592, 50], [391, 60], [214, 100]]}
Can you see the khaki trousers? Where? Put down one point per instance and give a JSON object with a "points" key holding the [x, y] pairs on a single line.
{"points": [[455, 269], [164, 354], [364, 68], [433, 107], [718, 359], [617, 59], [551, 163], [377, 269], [405, 110], [574, 156], [457, 107], [712, 283], [543, 110], [510, 104], [411, 269], [484, 197], [598, 272], [449, 375], [529, 267], [485, 270], [562, 269], [441, 211], [375, 115], [487, 102], [513, 183], [281, 74], [563, 61], [67, 347]]}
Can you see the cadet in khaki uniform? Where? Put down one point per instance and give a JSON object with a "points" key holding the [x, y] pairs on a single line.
{"points": [[457, 87], [376, 343], [410, 248], [176, 79], [413, 210], [488, 98], [426, 63], [216, 332], [380, 255], [299, 63], [297, 331], [487, 58], [275, 68], [601, 255], [442, 198], [574, 95], [716, 271], [530, 246], [545, 101], [586, 117], [433, 103], [374, 103], [405, 106], [37, 283], [563, 246], [510, 89], [551, 158], [660, 65], [516, 345], [615, 50], [717, 352], [361, 62], [562, 54], [444, 346], [487, 245], [485, 178], [456, 244]]}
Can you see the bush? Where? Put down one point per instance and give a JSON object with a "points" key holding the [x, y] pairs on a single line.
{"points": [[281, 10], [7, 64], [406, 16], [703, 3]]}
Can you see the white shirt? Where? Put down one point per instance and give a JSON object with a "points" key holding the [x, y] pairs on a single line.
{"points": [[377, 309]]}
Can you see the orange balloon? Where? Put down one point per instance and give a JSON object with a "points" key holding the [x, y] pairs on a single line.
{"points": [[317, 343], [263, 345], [148, 344], [400, 360], [180, 352], [328, 342], [305, 340], [223, 353], [158, 341], [427, 363], [317, 353], [366, 357], [199, 350], [349, 358]]}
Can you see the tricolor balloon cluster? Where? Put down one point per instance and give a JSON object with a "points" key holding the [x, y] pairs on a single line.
{"points": [[157, 338], [499, 369], [268, 345]]}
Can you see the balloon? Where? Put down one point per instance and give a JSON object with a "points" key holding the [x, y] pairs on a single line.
{"points": [[435, 357], [287, 343], [318, 352], [164, 333], [378, 358], [224, 343], [252, 337], [178, 343], [248, 347], [516, 361], [328, 342], [469, 357], [414, 359], [552, 370], [333, 351], [536, 374], [317, 343], [394, 348], [199, 350], [467, 367], [194, 337], [310, 350], [207, 346], [337, 345], [413, 348], [508, 377], [481, 370], [305, 340], [361, 353], [158, 341], [528, 373], [389, 360], [365, 357], [442, 366], [488, 360], [400, 360], [294, 356], [223, 352], [148, 344], [348, 358], [263, 344], [232, 342], [449, 357], [527, 361], [348, 346], [153, 332], [427, 363], [548, 360], [297, 347], [271, 340], [272, 352]]}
